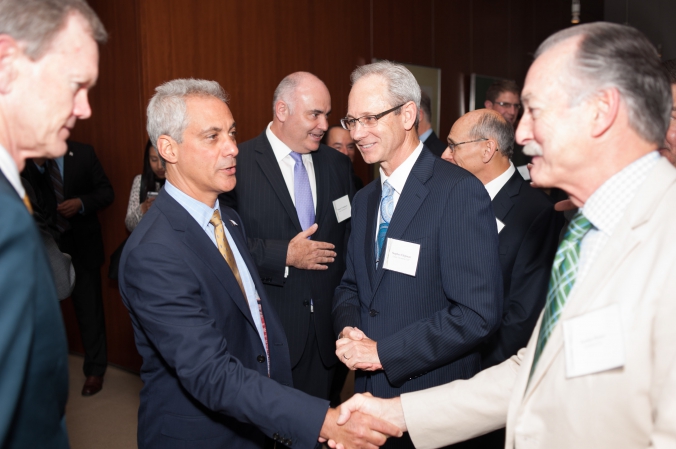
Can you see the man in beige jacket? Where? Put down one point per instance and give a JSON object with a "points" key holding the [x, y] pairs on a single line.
{"points": [[601, 371]]}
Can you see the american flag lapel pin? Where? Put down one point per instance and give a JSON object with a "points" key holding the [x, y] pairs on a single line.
{"points": [[233, 222]]}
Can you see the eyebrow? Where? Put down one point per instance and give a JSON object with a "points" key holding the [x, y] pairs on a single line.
{"points": [[211, 129]]}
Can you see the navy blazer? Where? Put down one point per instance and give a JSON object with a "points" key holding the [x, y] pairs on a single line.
{"points": [[435, 145], [262, 199], [33, 348], [204, 367], [528, 244], [429, 327]]}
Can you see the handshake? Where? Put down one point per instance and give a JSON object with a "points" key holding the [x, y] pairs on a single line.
{"points": [[363, 421]]}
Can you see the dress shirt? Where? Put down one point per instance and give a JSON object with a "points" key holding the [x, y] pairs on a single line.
{"points": [[423, 137], [605, 207], [498, 183], [397, 180], [11, 172], [202, 214], [286, 164]]}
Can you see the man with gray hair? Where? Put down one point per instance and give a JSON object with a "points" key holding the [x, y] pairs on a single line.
{"points": [[294, 195], [49, 57], [668, 148], [481, 142], [422, 288], [600, 368], [216, 367]]}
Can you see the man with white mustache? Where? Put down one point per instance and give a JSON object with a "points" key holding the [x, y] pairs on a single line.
{"points": [[294, 197]]}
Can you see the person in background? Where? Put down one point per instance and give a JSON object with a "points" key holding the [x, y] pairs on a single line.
{"points": [[145, 186], [339, 138], [425, 132], [668, 148]]}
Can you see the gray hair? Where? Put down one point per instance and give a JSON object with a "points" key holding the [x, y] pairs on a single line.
{"points": [[491, 125], [167, 111], [401, 84], [284, 92], [37, 22], [619, 56]]}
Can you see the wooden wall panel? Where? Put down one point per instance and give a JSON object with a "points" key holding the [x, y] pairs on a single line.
{"points": [[250, 46]]}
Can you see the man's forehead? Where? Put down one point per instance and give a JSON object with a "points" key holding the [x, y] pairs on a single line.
{"points": [[368, 95], [208, 112], [506, 95]]}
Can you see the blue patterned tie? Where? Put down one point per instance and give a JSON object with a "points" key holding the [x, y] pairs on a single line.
{"points": [[564, 274], [302, 193], [386, 211]]}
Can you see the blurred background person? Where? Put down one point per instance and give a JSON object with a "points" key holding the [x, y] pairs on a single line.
{"points": [[425, 132], [668, 149], [145, 187], [339, 138]]}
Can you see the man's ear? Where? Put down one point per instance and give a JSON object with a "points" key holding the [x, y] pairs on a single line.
{"points": [[9, 52], [488, 104], [488, 150], [409, 114], [168, 149], [606, 106], [282, 111]]}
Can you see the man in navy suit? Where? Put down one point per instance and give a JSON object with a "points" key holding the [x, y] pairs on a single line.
{"points": [[425, 132], [216, 367], [49, 57], [528, 228], [422, 289]]}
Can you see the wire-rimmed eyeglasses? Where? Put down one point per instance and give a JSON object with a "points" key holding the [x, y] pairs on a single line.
{"points": [[451, 146]]}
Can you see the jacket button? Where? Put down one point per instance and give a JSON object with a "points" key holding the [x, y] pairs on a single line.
{"points": [[260, 358], [306, 303], [373, 312]]}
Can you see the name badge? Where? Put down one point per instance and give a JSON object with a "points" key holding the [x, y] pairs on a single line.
{"points": [[342, 208], [401, 256], [593, 342], [500, 225]]}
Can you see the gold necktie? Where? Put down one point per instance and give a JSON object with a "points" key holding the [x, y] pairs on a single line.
{"points": [[27, 203], [224, 248]]}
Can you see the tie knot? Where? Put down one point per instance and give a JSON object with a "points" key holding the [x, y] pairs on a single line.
{"points": [[578, 227], [216, 219], [297, 157], [387, 189]]}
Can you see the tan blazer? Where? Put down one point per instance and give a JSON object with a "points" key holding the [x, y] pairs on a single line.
{"points": [[629, 407]]}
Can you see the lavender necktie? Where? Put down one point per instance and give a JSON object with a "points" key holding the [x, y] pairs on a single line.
{"points": [[303, 194]]}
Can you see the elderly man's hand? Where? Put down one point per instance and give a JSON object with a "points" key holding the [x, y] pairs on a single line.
{"points": [[356, 430], [357, 351], [308, 254]]}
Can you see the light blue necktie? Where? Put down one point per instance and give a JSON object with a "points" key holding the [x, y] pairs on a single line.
{"points": [[305, 207], [386, 211]]}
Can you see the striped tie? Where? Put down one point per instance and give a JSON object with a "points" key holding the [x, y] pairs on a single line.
{"points": [[386, 211], [62, 223], [564, 273]]}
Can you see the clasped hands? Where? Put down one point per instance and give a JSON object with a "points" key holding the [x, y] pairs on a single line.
{"points": [[363, 422], [357, 351]]}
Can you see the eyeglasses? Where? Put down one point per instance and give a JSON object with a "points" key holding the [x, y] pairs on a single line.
{"points": [[504, 104], [367, 121], [452, 146]]}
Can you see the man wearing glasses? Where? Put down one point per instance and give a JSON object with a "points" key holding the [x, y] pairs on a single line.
{"points": [[503, 97], [422, 287]]}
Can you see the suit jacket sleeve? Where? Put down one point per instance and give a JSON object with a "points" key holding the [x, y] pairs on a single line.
{"points": [[463, 409], [101, 193], [470, 270], [528, 288], [168, 305]]}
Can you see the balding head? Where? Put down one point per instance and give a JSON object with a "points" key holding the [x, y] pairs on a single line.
{"points": [[481, 142], [301, 106]]}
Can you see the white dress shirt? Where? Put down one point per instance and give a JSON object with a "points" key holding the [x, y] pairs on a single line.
{"points": [[498, 183], [286, 164], [397, 180], [11, 171]]}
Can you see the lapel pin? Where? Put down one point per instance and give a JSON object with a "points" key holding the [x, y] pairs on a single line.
{"points": [[233, 222]]}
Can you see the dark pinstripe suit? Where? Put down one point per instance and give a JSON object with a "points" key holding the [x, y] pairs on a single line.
{"points": [[428, 327], [262, 199]]}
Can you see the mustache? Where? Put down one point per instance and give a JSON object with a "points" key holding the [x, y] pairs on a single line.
{"points": [[532, 149]]}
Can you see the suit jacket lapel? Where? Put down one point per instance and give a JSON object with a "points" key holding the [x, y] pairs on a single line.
{"points": [[372, 205], [266, 160], [410, 200], [617, 249], [502, 203], [199, 243], [322, 181]]}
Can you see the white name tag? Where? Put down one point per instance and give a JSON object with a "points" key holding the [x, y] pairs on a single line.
{"points": [[500, 225], [342, 208], [593, 342], [401, 256]]}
